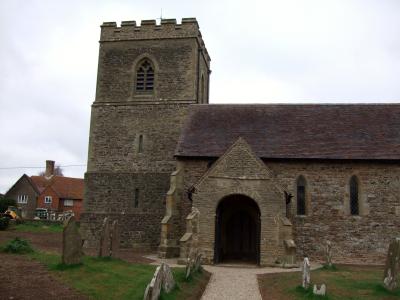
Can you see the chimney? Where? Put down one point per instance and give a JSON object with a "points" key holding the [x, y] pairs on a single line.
{"points": [[49, 168]]}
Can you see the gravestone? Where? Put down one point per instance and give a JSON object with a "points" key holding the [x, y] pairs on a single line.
{"points": [[306, 273], [115, 236], [105, 241], [168, 279], [328, 253], [72, 243], [153, 289], [197, 263], [392, 267], [321, 291]]}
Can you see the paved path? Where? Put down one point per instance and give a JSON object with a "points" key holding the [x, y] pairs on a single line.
{"points": [[237, 283], [233, 282]]}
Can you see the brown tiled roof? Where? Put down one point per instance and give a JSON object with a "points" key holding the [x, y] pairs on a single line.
{"points": [[352, 131], [65, 187]]}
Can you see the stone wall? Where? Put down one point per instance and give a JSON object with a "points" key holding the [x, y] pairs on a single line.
{"points": [[362, 238], [121, 119], [356, 239]]}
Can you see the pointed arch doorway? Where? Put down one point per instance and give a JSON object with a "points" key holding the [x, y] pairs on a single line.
{"points": [[237, 230]]}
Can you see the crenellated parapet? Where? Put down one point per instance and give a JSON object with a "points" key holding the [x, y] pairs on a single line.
{"points": [[149, 29]]}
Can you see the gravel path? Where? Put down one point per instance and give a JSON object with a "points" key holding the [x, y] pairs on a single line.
{"points": [[236, 283]]}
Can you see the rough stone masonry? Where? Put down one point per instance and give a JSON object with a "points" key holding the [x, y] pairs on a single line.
{"points": [[261, 176]]}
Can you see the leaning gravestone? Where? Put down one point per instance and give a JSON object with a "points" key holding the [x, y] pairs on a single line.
{"points": [[168, 282], [72, 243], [114, 247], [328, 253], [153, 289], [306, 273], [105, 241], [392, 267], [197, 263]]}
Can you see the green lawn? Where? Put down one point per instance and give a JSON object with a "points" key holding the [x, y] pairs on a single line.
{"points": [[103, 278], [346, 282], [38, 226]]}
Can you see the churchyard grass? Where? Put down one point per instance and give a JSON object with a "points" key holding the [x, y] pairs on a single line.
{"points": [[344, 282], [38, 226], [106, 278], [191, 289]]}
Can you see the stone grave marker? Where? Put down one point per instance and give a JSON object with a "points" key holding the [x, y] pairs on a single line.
{"points": [[328, 253], [72, 243], [168, 279], [306, 273], [115, 239], [321, 291], [105, 241], [153, 289], [392, 267]]}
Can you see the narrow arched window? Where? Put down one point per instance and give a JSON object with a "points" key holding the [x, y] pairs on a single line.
{"points": [[140, 146], [301, 196], [145, 76], [354, 192], [136, 200]]}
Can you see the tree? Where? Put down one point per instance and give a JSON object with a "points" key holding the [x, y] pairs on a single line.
{"points": [[57, 171], [5, 203]]}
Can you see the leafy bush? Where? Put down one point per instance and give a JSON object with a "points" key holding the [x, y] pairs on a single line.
{"points": [[4, 221], [5, 203], [18, 246]]}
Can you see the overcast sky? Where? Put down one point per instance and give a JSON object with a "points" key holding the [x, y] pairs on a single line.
{"points": [[262, 52]]}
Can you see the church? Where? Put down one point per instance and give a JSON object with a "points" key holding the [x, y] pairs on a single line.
{"points": [[257, 183]]}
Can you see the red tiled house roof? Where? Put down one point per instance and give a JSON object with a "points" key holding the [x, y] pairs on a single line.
{"points": [[64, 187]]}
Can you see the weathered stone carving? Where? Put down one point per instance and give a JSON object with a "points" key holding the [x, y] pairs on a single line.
{"points": [[72, 243], [105, 241], [321, 291], [392, 267], [328, 253], [115, 237], [306, 273]]}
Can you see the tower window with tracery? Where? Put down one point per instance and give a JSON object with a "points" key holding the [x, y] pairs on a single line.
{"points": [[145, 77]]}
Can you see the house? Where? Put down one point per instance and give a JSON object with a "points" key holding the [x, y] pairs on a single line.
{"points": [[55, 193], [257, 183]]}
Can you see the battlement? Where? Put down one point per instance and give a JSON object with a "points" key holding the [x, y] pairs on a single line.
{"points": [[149, 29]]}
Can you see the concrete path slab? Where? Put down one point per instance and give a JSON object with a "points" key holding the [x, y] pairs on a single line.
{"points": [[238, 283]]}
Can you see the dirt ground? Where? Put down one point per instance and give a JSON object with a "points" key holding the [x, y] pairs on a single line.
{"points": [[52, 242], [22, 278]]}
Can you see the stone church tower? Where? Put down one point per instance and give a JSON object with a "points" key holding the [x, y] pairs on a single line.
{"points": [[148, 75]]}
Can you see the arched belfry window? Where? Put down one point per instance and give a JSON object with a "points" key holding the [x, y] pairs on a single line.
{"points": [[354, 194], [145, 76], [301, 195]]}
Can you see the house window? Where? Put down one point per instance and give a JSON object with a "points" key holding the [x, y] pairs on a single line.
{"points": [[47, 199], [145, 77], [22, 199], [68, 202], [136, 203], [354, 192], [301, 196]]}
